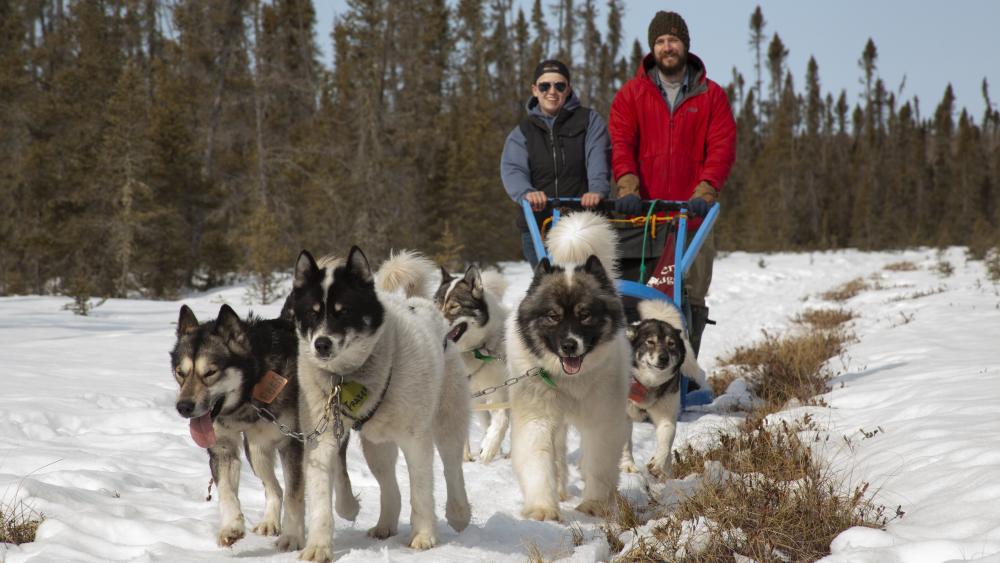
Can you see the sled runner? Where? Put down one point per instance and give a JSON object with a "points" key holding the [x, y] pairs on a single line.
{"points": [[655, 253]]}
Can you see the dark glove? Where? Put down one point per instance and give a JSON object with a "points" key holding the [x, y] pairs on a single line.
{"points": [[629, 205], [698, 206]]}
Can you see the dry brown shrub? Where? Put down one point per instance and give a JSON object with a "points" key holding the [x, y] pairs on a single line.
{"points": [[825, 319], [18, 523], [777, 504], [904, 266], [846, 290], [919, 294], [791, 368]]}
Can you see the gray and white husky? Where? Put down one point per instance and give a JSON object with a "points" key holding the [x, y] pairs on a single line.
{"points": [[661, 353], [476, 316], [570, 325], [225, 367], [414, 391]]}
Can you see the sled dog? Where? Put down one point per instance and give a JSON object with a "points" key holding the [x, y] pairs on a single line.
{"points": [[661, 353], [410, 390], [226, 367], [471, 305], [569, 329]]}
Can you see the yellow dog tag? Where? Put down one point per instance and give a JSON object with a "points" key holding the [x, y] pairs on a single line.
{"points": [[352, 397]]}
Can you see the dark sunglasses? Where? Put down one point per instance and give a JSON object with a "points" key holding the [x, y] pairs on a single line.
{"points": [[543, 87]]}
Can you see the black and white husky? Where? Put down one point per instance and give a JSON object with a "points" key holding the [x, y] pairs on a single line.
{"points": [[476, 316], [414, 393], [225, 368], [570, 329], [661, 353]]}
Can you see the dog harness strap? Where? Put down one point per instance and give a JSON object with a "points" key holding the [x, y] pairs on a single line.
{"points": [[486, 358], [544, 376], [359, 422]]}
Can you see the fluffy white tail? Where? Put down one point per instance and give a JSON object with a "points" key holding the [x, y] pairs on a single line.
{"points": [[494, 282], [579, 235], [669, 313], [409, 271]]}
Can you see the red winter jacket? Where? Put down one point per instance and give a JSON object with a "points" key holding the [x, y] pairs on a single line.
{"points": [[671, 154]]}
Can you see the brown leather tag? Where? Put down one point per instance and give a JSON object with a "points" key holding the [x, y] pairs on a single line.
{"points": [[269, 387]]}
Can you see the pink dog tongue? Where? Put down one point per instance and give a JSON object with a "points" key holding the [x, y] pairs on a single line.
{"points": [[572, 365], [202, 431]]}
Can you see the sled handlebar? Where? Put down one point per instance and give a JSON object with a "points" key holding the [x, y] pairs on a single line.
{"points": [[608, 205]]}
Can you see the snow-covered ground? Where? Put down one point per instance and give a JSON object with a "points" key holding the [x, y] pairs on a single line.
{"points": [[90, 438]]}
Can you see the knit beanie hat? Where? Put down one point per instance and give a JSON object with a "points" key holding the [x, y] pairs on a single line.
{"points": [[672, 23], [550, 65]]}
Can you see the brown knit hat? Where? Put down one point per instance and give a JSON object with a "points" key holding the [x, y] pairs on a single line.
{"points": [[672, 23]]}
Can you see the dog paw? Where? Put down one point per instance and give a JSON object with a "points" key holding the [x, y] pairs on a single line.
{"points": [[423, 540], [348, 507], [542, 513], [659, 471], [628, 467], [267, 528], [289, 542], [592, 507], [488, 454], [381, 532], [231, 533], [458, 515], [320, 553]]}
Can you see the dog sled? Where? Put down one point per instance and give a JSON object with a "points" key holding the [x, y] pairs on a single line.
{"points": [[655, 252]]}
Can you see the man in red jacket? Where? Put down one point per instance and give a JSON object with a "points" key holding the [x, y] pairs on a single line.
{"points": [[673, 137]]}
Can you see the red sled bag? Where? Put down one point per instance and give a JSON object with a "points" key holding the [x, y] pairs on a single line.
{"points": [[662, 278]]}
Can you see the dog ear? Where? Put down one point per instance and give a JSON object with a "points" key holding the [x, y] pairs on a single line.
{"points": [[358, 266], [595, 268], [475, 281], [229, 326], [632, 330], [306, 270], [543, 267], [445, 275], [186, 322]]}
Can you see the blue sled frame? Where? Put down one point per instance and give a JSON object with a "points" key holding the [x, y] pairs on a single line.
{"points": [[684, 256]]}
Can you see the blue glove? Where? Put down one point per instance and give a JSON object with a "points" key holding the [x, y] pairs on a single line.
{"points": [[698, 206], [629, 205]]}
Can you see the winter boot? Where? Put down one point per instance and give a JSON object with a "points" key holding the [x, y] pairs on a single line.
{"points": [[699, 318]]}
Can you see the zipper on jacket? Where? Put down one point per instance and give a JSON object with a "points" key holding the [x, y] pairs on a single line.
{"points": [[555, 160]]}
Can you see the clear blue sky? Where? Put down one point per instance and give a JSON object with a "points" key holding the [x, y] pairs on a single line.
{"points": [[930, 43]]}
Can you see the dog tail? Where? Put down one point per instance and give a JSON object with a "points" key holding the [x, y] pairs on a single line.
{"points": [[409, 271], [579, 235], [494, 282], [667, 312]]}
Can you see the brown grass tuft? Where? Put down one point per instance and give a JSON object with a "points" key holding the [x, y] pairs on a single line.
{"points": [[904, 266], [776, 504], [779, 370], [825, 319], [18, 523], [846, 290]]}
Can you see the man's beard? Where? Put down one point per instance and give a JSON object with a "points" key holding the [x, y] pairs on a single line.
{"points": [[673, 69]]}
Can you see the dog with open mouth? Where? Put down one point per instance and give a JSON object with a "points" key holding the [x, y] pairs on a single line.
{"points": [[410, 391], [661, 353], [229, 370], [471, 304], [569, 334]]}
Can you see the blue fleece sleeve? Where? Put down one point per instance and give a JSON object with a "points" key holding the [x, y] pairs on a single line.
{"points": [[514, 166], [598, 155]]}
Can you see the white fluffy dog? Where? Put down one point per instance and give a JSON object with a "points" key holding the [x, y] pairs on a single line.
{"points": [[569, 330]]}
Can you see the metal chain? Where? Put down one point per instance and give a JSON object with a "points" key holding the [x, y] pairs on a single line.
{"points": [[324, 423], [507, 383]]}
